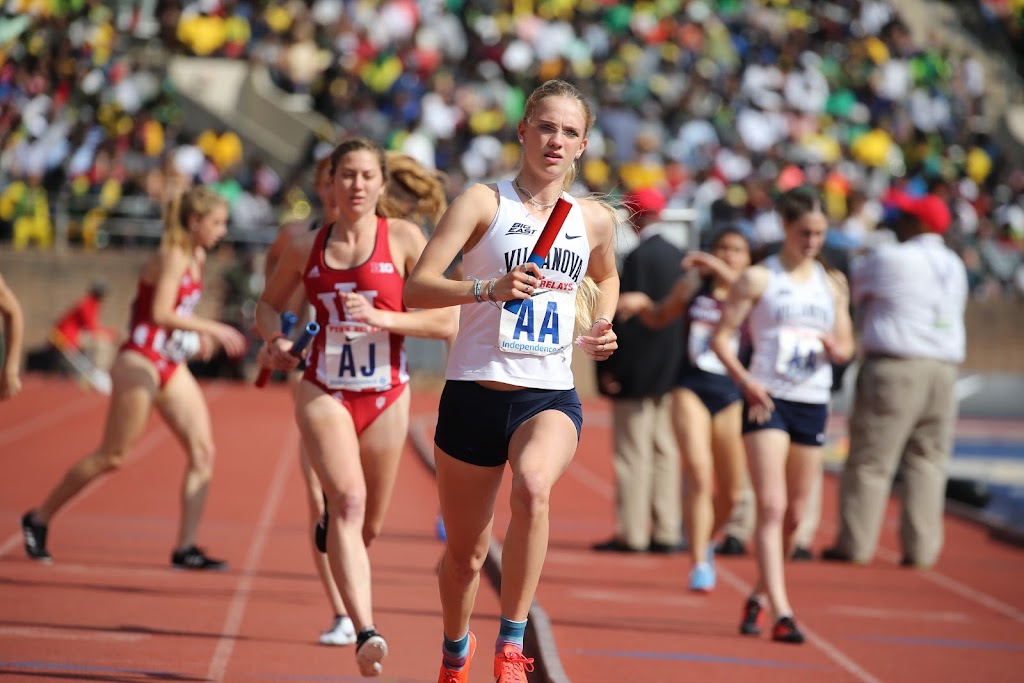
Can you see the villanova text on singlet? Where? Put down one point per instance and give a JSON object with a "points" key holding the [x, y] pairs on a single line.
{"points": [[535, 348], [347, 355], [786, 327], [176, 346]]}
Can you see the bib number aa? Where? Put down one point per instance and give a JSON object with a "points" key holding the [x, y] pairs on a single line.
{"points": [[801, 353], [539, 328]]}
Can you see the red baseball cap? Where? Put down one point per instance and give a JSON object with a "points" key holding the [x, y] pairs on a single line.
{"points": [[928, 209], [645, 200]]}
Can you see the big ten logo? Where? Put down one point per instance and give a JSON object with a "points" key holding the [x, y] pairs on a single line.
{"points": [[382, 267], [334, 301], [526, 328], [188, 303]]}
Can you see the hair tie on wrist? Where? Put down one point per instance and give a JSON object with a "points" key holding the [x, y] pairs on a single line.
{"points": [[604, 319]]}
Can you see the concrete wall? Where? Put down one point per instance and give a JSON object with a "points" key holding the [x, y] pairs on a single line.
{"points": [[48, 282]]}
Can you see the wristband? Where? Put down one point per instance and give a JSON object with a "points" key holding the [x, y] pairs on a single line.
{"points": [[476, 291]]}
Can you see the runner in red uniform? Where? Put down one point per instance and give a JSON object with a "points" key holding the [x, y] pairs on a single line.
{"points": [[149, 371], [352, 406]]}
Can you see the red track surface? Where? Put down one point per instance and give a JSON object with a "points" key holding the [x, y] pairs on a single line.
{"points": [[110, 609]]}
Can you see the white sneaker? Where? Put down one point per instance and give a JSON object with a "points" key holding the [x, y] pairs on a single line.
{"points": [[370, 654], [341, 633]]}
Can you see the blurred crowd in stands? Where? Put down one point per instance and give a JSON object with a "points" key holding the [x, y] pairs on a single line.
{"points": [[718, 103]]}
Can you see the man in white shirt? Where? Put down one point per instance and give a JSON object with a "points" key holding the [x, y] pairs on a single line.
{"points": [[910, 299]]}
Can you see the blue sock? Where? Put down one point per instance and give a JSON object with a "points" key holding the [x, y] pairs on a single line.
{"points": [[513, 632], [455, 652]]}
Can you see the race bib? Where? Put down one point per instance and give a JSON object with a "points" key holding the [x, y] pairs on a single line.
{"points": [[801, 352], [181, 345], [542, 326], [699, 347], [356, 358]]}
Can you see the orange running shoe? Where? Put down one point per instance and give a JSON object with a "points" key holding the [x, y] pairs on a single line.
{"points": [[510, 666], [458, 675]]}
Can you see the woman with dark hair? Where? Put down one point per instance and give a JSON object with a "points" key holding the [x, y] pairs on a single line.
{"points": [[798, 318], [706, 409]]}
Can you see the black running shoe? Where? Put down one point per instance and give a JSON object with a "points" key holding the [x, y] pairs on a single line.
{"points": [[320, 530], [35, 538], [785, 631], [801, 554], [731, 545], [194, 558], [753, 615]]}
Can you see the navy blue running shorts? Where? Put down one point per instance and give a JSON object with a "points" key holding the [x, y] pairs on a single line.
{"points": [[804, 422], [475, 424]]}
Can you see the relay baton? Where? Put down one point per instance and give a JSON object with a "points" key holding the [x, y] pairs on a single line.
{"points": [[544, 242], [312, 328], [288, 320]]}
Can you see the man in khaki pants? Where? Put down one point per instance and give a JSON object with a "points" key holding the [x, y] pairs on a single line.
{"points": [[911, 298], [638, 378]]}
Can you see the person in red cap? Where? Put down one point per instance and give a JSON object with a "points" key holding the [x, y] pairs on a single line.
{"points": [[639, 380], [911, 298]]}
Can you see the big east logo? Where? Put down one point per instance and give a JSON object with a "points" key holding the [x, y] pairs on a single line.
{"points": [[521, 229]]}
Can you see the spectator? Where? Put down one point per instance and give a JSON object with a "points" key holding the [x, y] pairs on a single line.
{"points": [[911, 298], [66, 335], [638, 380]]}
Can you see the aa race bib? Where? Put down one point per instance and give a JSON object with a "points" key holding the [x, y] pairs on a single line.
{"points": [[542, 326], [801, 352]]}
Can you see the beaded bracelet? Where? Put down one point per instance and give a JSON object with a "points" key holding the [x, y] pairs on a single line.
{"points": [[490, 289], [476, 291]]}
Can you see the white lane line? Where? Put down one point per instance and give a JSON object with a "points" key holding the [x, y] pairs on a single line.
{"points": [[962, 589], [236, 610], [580, 473], [830, 651], [44, 419]]}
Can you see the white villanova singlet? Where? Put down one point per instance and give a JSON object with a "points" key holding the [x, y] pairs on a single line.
{"points": [[786, 326], [533, 348]]}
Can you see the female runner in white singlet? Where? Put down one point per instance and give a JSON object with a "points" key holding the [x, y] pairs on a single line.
{"points": [[799, 323]]}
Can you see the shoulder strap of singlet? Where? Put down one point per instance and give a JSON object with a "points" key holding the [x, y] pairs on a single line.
{"points": [[382, 247]]}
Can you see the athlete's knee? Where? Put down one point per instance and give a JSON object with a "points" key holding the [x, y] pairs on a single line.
{"points": [[794, 515], [371, 530], [110, 460], [531, 493], [201, 457], [349, 507], [463, 567], [771, 510]]}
